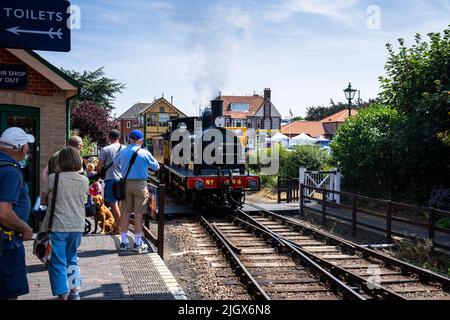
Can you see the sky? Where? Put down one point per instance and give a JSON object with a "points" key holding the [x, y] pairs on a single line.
{"points": [[306, 51]]}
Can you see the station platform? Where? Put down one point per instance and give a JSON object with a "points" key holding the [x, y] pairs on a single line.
{"points": [[108, 275]]}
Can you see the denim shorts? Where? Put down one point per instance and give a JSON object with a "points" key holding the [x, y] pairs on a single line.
{"points": [[109, 196], [13, 274]]}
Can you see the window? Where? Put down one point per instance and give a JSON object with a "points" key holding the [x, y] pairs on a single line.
{"points": [[249, 123], [237, 123], [227, 122], [162, 110], [258, 125], [240, 107], [128, 125], [152, 120], [163, 119]]}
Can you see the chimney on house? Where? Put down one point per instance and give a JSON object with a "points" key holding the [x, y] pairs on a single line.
{"points": [[171, 100], [267, 94]]}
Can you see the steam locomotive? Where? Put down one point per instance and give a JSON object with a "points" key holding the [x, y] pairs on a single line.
{"points": [[204, 162]]}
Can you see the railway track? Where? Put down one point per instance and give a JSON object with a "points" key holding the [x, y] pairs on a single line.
{"points": [[370, 273], [270, 268]]}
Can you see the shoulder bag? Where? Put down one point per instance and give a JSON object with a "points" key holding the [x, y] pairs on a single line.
{"points": [[42, 247], [118, 188], [102, 173]]}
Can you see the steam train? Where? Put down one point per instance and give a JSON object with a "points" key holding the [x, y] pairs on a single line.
{"points": [[204, 163]]}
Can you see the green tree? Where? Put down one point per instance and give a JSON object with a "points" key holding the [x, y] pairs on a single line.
{"points": [[96, 87], [417, 84], [367, 149]]}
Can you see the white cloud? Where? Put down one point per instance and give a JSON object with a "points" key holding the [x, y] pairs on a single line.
{"points": [[338, 10]]}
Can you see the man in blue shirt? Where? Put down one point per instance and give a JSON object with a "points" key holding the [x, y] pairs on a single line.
{"points": [[137, 194], [15, 208]]}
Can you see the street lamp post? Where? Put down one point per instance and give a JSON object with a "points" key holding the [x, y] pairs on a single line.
{"points": [[350, 95]]}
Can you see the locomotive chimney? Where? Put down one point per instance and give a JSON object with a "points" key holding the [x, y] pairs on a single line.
{"points": [[267, 94], [216, 110]]}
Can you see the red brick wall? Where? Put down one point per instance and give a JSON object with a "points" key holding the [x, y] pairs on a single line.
{"points": [[124, 131], [36, 83]]}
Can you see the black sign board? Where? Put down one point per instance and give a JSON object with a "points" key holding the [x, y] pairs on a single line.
{"points": [[37, 24], [13, 76]]}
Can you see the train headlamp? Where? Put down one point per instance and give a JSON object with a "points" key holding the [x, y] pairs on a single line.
{"points": [[198, 184]]}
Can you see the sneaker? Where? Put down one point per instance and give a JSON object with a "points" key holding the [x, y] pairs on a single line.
{"points": [[139, 249], [124, 247], [74, 296]]}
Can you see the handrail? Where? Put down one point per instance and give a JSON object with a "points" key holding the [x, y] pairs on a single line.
{"points": [[389, 215]]}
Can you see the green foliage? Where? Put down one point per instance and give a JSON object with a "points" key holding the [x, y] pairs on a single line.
{"points": [[422, 254], [310, 157], [88, 144], [297, 119], [397, 148], [417, 84], [95, 87], [321, 112], [367, 151]]}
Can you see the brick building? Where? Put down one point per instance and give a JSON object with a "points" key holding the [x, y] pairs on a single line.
{"points": [[251, 112], [38, 101], [129, 121]]}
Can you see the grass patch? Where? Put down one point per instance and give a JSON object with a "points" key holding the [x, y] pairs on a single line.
{"points": [[422, 254]]}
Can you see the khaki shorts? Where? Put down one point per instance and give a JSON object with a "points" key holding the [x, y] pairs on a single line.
{"points": [[137, 197]]}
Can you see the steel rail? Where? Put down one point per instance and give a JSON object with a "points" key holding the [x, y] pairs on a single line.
{"points": [[347, 246], [327, 277], [244, 274], [350, 277]]}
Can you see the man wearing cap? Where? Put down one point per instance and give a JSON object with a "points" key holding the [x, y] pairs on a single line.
{"points": [[137, 194], [112, 174], [15, 208]]}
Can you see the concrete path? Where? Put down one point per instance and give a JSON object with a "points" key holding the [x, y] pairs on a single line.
{"points": [[108, 275]]}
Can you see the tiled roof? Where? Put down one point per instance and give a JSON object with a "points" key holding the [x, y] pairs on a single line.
{"points": [[315, 128], [340, 116], [255, 102], [311, 128], [135, 111]]}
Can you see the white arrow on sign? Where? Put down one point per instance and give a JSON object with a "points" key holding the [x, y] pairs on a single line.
{"points": [[50, 33]]}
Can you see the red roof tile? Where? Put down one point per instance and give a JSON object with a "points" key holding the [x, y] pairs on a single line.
{"points": [[340, 116], [255, 102], [311, 128]]}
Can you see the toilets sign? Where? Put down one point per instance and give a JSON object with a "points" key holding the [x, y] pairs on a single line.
{"points": [[37, 25], [13, 76]]}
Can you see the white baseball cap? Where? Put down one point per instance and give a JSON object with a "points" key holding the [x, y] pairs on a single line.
{"points": [[16, 137]]}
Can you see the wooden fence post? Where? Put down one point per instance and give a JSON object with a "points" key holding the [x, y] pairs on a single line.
{"points": [[324, 207], [279, 192], [290, 190], [161, 218], [302, 199], [354, 213], [389, 222], [431, 230]]}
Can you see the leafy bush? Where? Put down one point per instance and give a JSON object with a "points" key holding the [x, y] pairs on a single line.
{"points": [[88, 144], [308, 156], [367, 151]]}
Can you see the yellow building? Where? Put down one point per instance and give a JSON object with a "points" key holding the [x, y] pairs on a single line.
{"points": [[154, 118]]}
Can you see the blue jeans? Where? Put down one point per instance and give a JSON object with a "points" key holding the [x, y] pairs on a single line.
{"points": [[63, 268]]}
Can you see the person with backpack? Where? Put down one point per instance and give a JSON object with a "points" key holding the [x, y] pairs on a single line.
{"points": [[15, 206], [110, 174]]}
